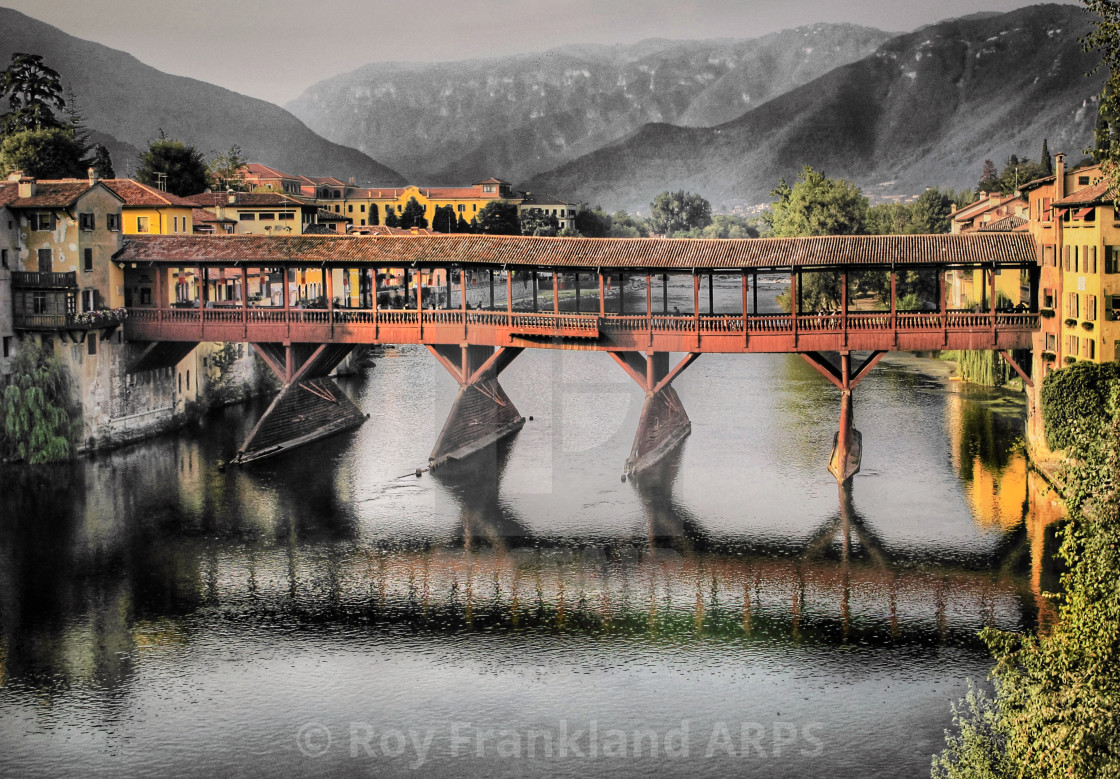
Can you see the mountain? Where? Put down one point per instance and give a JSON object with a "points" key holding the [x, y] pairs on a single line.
{"points": [[125, 103], [458, 122], [925, 109]]}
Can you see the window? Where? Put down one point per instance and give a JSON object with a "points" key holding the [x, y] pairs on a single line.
{"points": [[266, 216], [462, 207], [3, 258], [1051, 342], [142, 224], [350, 208], [363, 223], [188, 381], [487, 187], [338, 209], [1082, 181], [7, 346], [87, 259], [89, 299], [39, 303], [41, 220], [286, 216], [1090, 259], [362, 208], [44, 260], [1047, 298], [1090, 348], [1115, 307], [91, 342], [85, 222], [145, 296], [246, 216], [1112, 259], [1090, 308], [113, 222]]}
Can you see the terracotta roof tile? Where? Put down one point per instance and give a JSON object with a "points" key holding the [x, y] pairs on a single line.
{"points": [[133, 193], [244, 199], [258, 170], [54, 194], [202, 216], [9, 191], [591, 253], [1098, 193], [1005, 225]]}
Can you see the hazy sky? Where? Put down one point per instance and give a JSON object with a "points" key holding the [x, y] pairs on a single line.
{"points": [[274, 49]]}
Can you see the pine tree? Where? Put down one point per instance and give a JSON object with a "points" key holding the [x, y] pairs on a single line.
{"points": [[1047, 162], [462, 226], [102, 162], [391, 219], [988, 175], [413, 215]]}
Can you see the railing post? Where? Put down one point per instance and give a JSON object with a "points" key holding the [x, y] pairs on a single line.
{"points": [[328, 287], [992, 289], [942, 304], [696, 305], [665, 293], [509, 298], [577, 292], [746, 336], [794, 301], [491, 289], [649, 308], [555, 295], [420, 301], [463, 302], [287, 303], [245, 302], [602, 298], [711, 293], [894, 305], [844, 305]]}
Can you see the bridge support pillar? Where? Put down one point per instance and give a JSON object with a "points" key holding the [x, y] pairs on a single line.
{"points": [[482, 413], [663, 423], [847, 449], [310, 406]]}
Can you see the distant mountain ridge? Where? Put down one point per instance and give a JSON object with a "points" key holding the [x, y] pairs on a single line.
{"points": [[925, 109], [514, 116], [125, 103]]}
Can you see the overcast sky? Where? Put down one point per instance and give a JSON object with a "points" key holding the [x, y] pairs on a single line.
{"points": [[274, 49]]}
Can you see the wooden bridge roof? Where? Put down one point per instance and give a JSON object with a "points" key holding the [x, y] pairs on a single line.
{"points": [[655, 254]]}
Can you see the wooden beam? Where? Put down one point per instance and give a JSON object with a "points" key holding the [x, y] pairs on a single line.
{"points": [[689, 358], [448, 360], [865, 368], [1006, 355], [634, 364], [824, 368], [497, 362]]}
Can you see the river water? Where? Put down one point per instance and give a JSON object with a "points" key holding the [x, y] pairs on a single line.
{"points": [[529, 612]]}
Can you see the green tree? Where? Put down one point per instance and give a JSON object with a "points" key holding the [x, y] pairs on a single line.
{"points": [[625, 225], [1047, 160], [1104, 39], [462, 225], [497, 218], [50, 153], [671, 212], [536, 222], [988, 175], [443, 220], [592, 223], [817, 205], [930, 213], [102, 162], [174, 165], [227, 170], [391, 219], [413, 215], [34, 92], [38, 423]]}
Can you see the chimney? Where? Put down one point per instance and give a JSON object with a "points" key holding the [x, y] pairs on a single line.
{"points": [[231, 196], [27, 187], [1059, 175], [92, 176]]}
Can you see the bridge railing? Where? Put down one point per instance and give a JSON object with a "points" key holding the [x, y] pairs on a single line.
{"points": [[589, 323]]}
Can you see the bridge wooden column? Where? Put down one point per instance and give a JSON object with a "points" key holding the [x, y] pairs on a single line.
{"points": [[847, 449], [310, 405], [663, 423], [482, 413]]}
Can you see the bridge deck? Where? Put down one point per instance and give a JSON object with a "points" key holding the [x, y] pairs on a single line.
{"points": [[904, 331]]}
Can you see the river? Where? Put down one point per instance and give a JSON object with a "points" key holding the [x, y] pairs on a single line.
{"points": [[529, 612]]}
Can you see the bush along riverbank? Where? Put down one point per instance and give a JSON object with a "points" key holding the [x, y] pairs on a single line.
{"points": [[1055, 711]]}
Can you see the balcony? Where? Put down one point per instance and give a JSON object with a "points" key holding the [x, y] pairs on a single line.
{"points": [[38, 280]]}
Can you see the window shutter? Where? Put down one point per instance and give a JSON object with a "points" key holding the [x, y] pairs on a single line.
{"points": [[1092, 259], [1065, 257]]}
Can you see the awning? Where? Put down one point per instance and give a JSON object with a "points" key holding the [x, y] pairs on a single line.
{"points": [[1082, 213]]}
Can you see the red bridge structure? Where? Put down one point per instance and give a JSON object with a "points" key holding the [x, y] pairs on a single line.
{"points": [[304, 345]]}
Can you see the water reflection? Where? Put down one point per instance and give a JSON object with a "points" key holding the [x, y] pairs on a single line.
{"points": [[147, 572]]}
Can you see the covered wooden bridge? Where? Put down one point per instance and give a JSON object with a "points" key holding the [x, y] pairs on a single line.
{"points": [[582, 281]]}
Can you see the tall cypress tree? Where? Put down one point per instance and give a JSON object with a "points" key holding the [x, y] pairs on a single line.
{"points": [[1046, 161]]}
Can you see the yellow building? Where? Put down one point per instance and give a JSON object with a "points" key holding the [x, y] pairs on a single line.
{"points": [[149, 211], [1089, 303]]}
